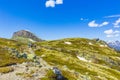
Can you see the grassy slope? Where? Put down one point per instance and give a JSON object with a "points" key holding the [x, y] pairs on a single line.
{"points": [[22, 40], [10, 43], [5, 58], [104, 65]]}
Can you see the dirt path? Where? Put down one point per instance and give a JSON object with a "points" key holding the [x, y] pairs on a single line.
{"points": [[35, 72], [27, 69]]}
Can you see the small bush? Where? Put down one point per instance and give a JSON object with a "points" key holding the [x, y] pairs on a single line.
{"points": [[49, 76]]}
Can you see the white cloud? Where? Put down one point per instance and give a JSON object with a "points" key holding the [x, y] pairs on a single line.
{"points": [[109, 36], [112, 33], [59, 1], [112, 16], [93, 24], [83, 19], [108, 31], [52, 3], [103, 24], [117, 23]]}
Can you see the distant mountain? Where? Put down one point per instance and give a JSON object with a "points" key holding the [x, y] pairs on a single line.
{"points": [[24, 35], [115, 45]]}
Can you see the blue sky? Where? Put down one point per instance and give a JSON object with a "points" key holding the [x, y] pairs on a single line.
{"points": [[56, 19]]}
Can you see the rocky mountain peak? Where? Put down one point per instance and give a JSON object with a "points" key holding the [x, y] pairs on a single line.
{"points": [[25, 34], [115, 45]]}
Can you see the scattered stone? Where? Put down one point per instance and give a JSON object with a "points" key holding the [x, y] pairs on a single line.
{"points": [[90, 43], [69, 43], [103, 46], [43, 56]]}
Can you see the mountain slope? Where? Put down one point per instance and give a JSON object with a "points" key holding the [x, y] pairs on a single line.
{"points": [[77, 59], [82, 58], [6, 45]]}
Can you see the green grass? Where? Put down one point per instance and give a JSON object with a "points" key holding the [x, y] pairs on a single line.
{"points": [[101, 57], [6, 59], [6, 69], [81, 47], [22, 39], [49, 76], [104, 63], [54, 58]]}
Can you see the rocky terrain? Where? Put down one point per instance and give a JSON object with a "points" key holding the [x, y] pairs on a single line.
{"points": [[26, 71], [75, 59]]}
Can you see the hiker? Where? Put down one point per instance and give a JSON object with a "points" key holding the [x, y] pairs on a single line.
{"points": [[29, 45], [34, 46]]}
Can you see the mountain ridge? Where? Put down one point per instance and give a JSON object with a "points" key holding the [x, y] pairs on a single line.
{"points": [[115, 45]]}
